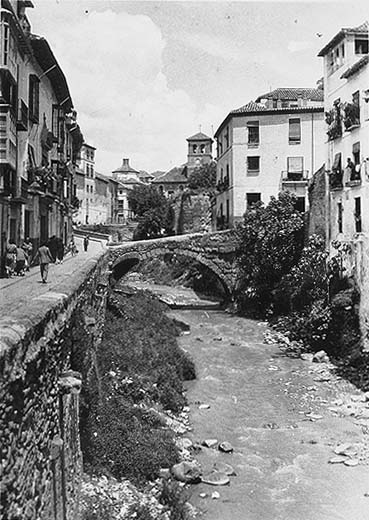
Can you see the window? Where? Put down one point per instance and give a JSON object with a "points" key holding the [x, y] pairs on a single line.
{"points": [[361, 46], [294, 133], [55, 117], [202, 148], [357, 215], [253, 165], [340, 217], [300, 204], [356, 153], [92, 170], [253, 133], [194, 148], [227, 211], [295, 167], [251, 199], [33, 101]]}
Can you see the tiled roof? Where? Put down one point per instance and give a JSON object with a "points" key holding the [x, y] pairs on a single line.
{"points": [[290, 94], [249, 107], [175, 175], [361, 29], [355, 67], [125, 168], [199, 137]]}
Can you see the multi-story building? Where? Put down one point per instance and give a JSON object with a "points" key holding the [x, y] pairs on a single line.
{"points": [[127, 178], [273, 144], [39, 135], [346, 99]]}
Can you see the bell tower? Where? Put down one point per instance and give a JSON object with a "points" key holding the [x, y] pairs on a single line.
{"points": [[199, 151]]}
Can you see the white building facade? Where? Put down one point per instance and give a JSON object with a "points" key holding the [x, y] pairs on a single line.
{"points": [[264, 147], [346, 79]]}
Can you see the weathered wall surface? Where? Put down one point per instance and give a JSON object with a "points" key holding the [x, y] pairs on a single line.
{"points": [[193, 213], [318, 204], [39, 397]]}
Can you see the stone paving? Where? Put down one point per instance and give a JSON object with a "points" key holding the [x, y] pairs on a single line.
{"points": [[18, 292]]}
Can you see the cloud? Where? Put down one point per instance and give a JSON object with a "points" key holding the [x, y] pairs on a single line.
{"points": [[114, 67], [215, 46], [297, 46]]}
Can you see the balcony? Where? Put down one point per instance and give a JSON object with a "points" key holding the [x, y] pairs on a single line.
{"points": [[22, 120], [8, 186], [333, 118], [300, 178], [8, 50], [352, 116], [223, 185], [8, 149]]}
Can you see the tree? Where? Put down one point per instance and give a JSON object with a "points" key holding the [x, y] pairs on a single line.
{"points": [[154, 212], [144, 198], [271, 239], [203, 177]]}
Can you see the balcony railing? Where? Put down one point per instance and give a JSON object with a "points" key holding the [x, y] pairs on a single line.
{"points": [[22, 120], [295, 176]]}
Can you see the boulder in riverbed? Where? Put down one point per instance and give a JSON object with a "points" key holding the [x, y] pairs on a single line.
{"points": [[187, 471]]}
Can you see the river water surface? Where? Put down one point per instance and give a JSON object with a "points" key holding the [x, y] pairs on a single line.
{"points": [[258, 402]]}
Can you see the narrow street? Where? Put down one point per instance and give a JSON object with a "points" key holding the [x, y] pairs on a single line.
{"points": [[259, 402]]}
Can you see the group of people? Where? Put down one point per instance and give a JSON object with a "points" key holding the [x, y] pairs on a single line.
{"points": [[18, 259]]}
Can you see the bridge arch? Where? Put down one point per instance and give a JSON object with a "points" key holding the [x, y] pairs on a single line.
{"points": [[126, 261]]}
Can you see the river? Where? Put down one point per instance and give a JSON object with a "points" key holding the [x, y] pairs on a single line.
{"points": [[259, 400]]}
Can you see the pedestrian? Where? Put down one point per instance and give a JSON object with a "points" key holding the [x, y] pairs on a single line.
{"points": [[44, 256], [52, 246], [20, 265], [28, 248], [86, 241], [59, 250], [10, 258], [72, 247]]}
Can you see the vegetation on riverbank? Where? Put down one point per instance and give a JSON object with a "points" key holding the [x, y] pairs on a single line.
{"points": [[138, 375], [303, 294]]}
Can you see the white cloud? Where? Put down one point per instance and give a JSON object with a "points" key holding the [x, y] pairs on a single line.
{"points": [[113, 64], [215, 46]]}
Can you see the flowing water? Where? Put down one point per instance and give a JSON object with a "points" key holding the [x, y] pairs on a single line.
{"points": [[258, 402]]}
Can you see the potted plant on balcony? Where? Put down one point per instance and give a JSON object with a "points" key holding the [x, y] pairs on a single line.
{"points": [[334, 121], [352, 115]]}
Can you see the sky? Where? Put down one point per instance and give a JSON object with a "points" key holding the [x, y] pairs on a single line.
{"points": [[144, 76]]}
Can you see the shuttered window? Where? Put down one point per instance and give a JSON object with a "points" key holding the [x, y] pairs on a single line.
{"points": [[294, 134]]}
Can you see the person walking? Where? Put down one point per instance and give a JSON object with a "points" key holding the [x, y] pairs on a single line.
{"points": [[44, 256], [86, 241], [20, 265], [10, 258], [28, 248], [59, 250]]}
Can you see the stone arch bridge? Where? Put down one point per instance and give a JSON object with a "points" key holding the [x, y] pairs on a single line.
{"points": [[216, 251]]}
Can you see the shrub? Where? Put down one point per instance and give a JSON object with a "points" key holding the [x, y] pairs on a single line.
{"points": [[270, 245]]}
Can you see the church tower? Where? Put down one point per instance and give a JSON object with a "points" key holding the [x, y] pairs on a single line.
{"points": [[199, 151]]}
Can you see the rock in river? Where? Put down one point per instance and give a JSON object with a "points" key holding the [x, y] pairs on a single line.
{"points": [[216, 478], [226, 447], [186, 471]]}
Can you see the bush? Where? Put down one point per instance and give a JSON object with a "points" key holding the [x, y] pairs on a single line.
{"points": [[270, 245], [173, 497]]}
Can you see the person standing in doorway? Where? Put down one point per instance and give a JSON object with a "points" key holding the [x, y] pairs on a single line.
{"points": [[86, 241], [44, 256]]}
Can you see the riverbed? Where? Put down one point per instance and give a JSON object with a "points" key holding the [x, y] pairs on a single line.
{"points": [[259, 401]]}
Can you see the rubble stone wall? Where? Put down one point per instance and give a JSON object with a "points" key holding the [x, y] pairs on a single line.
{"points": [[318, 204], [195, 214], [39, 398]]}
